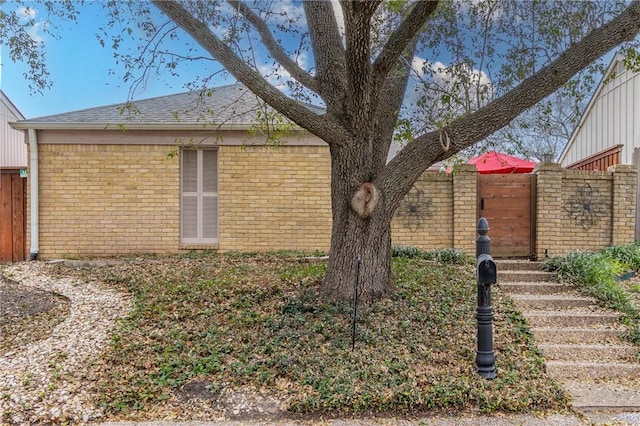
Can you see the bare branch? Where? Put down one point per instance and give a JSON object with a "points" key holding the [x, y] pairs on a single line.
{"points": [[275, 49], [322, 126], [401, 37]]}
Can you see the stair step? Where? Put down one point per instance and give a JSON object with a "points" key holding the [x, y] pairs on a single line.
{"points": [[528, 287], [517, 265], [588, 395], [578, 335], [589, 352], [551, 301], [592, 370], [516, 276], [564, 319]]}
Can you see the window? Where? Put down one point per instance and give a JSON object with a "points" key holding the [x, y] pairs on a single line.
{"points": [[199, 193]]}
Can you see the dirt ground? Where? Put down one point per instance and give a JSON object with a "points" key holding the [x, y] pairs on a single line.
{"points": [[27, 315]]}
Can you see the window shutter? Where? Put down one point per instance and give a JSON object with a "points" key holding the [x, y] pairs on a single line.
{"points": [[199, 207], [189, 171]]}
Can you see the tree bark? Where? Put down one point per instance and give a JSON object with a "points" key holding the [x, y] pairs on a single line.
{"points": [[364, 235]]}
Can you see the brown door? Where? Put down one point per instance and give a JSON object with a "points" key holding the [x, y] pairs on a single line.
{"points": [[12, 216], [507, 202]]}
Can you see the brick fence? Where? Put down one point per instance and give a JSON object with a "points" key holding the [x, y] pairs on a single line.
{"points": [[575, 210]]}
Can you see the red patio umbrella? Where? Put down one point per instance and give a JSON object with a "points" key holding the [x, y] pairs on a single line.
{"points": [[495, 162]]}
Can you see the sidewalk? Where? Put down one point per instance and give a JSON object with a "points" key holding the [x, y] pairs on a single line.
{"points": [[594, 418]]}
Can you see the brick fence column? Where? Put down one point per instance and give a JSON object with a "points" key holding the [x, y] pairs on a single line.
{"points": [[623, 215], [465, 193], [549, 212]]}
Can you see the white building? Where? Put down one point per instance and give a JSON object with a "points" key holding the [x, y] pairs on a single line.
{"points": [[13, 151], [609, 131]]}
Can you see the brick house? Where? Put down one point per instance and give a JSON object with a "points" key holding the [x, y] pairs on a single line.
{"points": [[153, 177]]}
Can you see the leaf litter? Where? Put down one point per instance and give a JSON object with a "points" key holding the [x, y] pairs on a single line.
{"points": [[243, 336]]}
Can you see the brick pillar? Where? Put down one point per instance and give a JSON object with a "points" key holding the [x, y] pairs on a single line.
{"points": [[465, 194], [623, 215], [549, 212]]}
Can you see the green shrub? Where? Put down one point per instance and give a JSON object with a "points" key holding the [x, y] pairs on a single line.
{"points": [[597, 275], [447, 255]]}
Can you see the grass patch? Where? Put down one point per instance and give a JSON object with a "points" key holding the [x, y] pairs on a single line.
{"points": [[597, 274], [255, 322]]}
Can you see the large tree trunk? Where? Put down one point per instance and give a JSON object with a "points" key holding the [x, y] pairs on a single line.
{"points": [[361, 230]]}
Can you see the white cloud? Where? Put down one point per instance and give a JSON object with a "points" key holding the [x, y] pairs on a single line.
{"points": [[26, 13], [36, 32], [279, 76], [283, 11], [36, 28], [451, 90], [417, 65]]}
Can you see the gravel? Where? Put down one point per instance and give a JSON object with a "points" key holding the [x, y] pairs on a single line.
{"points": [[50, 380]]}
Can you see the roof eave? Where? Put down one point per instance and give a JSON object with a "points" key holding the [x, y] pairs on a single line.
{"points": [[26, 125]]}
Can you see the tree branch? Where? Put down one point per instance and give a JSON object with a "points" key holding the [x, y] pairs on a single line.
{"points": [[401, 37], [390, 99], [322, 126], [275, 49], [357, 16], [328, 53], [412, 161]]}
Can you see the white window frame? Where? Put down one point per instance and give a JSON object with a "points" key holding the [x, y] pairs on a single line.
{"points": [[200, 195]]}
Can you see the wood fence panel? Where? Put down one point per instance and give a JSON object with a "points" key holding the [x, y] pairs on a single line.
{"points": [[6, 225], [18, 216], [12, 217], [505, 200]]}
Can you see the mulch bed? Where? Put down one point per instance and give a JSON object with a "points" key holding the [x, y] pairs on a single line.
{"points": [[27, 315]]}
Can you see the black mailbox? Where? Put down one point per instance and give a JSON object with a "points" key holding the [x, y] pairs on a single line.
{"points": [[487, 272]]}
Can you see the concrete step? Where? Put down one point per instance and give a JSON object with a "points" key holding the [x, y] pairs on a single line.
{"points": [[517, 276], [528, 287], [586, 336], [592, 370], [567, 319], [552, 301], [517, 265], [590, 395], [589, 352]]}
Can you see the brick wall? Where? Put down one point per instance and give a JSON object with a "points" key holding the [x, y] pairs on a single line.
{"points": [[274, 198], [99, 200], [439, 212], [584, 210]]}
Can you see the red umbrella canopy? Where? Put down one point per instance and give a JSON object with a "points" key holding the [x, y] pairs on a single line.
{"points": [[495, 162]]}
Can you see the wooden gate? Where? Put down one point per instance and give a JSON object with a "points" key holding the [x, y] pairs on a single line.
{"points": [[12, 216], [507, 201]]}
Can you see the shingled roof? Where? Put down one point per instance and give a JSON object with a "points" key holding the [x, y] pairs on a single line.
{"points": [[226, 108]]}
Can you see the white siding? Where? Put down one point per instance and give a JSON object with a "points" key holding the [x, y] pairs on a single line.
{"points": [[13, 151], [612, 118]]}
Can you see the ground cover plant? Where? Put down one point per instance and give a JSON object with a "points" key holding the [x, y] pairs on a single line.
{"points": [[605, 276], [254, 323]]}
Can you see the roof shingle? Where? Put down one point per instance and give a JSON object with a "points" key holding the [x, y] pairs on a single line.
{"points": [[224, 107]]}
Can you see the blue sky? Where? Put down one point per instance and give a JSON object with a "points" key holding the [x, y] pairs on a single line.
{"points": [[79, 69]]}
